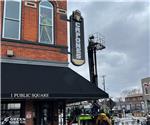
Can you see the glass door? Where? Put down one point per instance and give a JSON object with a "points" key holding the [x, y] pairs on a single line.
{"points": [[45, 114], [42, 113]]}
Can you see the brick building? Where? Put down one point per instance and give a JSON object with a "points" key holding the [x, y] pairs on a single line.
{"points": [[36, 83]]}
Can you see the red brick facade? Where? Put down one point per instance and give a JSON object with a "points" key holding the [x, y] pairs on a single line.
{"points": [[28, 47], [29, 113]]}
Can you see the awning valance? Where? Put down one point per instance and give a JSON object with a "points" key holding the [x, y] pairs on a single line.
{"points": [[22, 81]]}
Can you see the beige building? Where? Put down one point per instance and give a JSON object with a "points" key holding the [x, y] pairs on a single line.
{"points": [[134, 103]]}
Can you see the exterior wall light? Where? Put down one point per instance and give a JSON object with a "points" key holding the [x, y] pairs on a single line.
{"points": [[10, 53]]}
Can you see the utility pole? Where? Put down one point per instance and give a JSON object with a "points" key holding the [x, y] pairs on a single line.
{"points": [[103, 76]]}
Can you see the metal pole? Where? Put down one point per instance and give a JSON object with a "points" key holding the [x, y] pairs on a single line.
{"points": [[92, 63], [95, 68], [90, 59], [92, 48], [64, 113]]}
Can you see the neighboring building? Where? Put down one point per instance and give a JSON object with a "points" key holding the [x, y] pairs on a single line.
{"points": [[132, 104], [36, 83], [135, 104], [146, 93], [118, 108]]}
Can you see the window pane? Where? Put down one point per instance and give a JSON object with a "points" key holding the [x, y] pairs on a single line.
{"points": [[12, 9], [11, 29], [10, 106], [46, 22], [46, 34], [17, 106], [14, 106], [46, 4], [46, 16]]}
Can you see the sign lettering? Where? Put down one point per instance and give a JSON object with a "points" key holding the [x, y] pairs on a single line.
{"points": [[29, 95], [78, 41]]}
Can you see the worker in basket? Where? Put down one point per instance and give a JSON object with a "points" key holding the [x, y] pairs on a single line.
{"points": [[102, 119]]}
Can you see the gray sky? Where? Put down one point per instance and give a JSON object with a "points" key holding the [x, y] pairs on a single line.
{"points": [[126, 28]]}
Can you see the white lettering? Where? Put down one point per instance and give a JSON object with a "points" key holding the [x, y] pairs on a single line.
{"points": [[78, 40], [29, 95]]}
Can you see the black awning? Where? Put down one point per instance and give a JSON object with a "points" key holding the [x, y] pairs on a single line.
{"points": [[35, 81]]}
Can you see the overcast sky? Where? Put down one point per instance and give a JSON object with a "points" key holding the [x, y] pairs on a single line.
{"points": [[126, 28]]}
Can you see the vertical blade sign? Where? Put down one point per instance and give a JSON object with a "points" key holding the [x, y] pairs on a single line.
{"points": [[77, 38]]}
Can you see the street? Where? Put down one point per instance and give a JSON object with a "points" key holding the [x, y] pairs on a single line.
{"points": [[130, 121]]}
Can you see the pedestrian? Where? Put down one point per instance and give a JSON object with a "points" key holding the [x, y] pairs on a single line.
{"points": [[102, 119], [148, 120], [112, 120], [138, 122]]}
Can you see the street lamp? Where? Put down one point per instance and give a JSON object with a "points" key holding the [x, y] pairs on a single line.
{"points": [[95, 44]]}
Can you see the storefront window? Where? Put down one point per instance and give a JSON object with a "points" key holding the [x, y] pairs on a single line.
{"points": [[46, 22], [10, 113], [12, 19]]}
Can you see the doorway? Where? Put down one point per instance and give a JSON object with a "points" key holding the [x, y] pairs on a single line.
{"points": [[46, 113], [43, 115]]}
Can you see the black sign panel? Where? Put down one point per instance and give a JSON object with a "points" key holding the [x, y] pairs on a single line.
{"points": [[77, 39]]}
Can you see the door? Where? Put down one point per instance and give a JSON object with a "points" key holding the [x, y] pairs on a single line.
{"points": [[42, 113]]}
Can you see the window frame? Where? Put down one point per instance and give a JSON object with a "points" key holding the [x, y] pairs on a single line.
{"points": [[146, 91], [39, 24], [12, 19]]}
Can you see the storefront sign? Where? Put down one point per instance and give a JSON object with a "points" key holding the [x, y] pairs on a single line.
{"points": [[30, 95], [77, 38]]}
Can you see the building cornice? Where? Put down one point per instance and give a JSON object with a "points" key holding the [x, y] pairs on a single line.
{"points": [[35, 62]]}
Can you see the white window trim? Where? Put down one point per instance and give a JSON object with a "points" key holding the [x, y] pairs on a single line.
{"points": [[19, 20], [47, 6], [51, 8]]}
